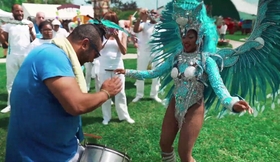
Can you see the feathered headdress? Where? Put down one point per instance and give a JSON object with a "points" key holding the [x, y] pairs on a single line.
{"points": [[178, 17]]}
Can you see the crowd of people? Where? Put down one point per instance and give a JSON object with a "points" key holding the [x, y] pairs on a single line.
{"points": [[44, 72]]}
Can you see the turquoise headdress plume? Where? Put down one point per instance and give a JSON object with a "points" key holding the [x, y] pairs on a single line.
{"points": [[186, 14], [107, 24], [178, 17], [192, 15]]}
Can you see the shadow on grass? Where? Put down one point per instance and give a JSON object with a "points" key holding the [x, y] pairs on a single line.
{"points": [[89, 120], [4, 121], [130, 85], [3, 97]]}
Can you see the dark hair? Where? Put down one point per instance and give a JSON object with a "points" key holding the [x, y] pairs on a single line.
{"points": [[90, 31], [44, 23], [112, 16]]}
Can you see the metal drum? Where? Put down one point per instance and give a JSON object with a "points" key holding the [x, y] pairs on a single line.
{"points": [[99, 153]]}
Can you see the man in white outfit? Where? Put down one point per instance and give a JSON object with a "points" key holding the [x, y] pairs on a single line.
{"points": [[19, 37], [223, 30], [144, 30]]}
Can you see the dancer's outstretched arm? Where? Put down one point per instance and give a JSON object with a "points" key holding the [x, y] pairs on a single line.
{"points": [[231, 103]]}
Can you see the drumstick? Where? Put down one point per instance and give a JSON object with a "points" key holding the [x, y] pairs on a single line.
{"points": [[92, 136], [90, 17]]}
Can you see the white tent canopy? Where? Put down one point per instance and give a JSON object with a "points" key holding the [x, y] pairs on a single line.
{"points": [[30, 9], [5, 14], [245, 7]]}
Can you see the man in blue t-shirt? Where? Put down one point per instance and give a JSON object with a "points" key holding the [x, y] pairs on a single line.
{"points": [[40, 17], [47, 101]]}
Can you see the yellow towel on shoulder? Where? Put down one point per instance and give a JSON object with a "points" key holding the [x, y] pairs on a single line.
{"points": [[65, 45]]}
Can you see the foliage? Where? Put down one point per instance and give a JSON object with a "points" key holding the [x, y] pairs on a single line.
{"points": [[7, 4], [132, 5], [50, 1]]}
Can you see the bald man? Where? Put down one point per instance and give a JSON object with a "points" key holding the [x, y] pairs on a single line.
{"points": [[18, 37], [40, 17]]}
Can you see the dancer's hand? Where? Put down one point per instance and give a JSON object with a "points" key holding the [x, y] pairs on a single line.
{"points": [[242, 106], [119, 71]]}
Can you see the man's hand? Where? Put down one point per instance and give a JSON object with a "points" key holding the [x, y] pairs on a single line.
{"points": [[242, 106], [30, 26], [113, 86], [119, 71], [143, 14]]}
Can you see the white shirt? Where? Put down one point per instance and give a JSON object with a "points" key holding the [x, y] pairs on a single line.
{"points": [[223, 29], [111, 56], [18, 37], [145, 36], [61, 33], [37, 42]]}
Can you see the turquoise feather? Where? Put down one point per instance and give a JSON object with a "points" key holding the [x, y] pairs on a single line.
{"points": [[108, 24], [255, 71]]}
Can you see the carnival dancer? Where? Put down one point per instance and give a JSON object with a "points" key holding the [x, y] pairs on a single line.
{"points": [[191, 65]]}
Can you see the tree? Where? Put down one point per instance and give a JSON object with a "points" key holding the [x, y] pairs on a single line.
{"points": [[7, 4], [132, 5]]}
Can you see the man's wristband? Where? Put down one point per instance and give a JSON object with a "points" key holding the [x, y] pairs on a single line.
{"points": [[108, 94]]}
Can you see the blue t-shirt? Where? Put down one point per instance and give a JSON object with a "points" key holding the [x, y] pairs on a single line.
{"points": [[38, 33], [39, 128]]}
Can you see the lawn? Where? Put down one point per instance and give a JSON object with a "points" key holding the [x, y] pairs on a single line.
{"points": [[240, 139], [131, 49], [237, 36]]}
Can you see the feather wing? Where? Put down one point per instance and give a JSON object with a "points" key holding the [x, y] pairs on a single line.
{"points": [[108, 24], [253, 69], [166, 43]]}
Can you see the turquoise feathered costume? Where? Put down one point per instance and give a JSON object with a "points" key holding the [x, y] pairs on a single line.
{"points": [[251, 70]]}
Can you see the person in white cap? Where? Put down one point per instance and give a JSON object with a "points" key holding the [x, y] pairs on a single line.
{"points": [[58, 32]]}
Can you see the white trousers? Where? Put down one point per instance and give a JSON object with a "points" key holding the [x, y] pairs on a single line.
{"points": [[143, 60], [13, 63], [120, 99], [88, 76], [91, 73]]}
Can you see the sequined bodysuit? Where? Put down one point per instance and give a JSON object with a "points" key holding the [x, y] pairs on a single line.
{"points": [[188, 88]]}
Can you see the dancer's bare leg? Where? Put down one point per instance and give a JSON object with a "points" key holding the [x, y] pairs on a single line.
{"points": [[190, 131], [169, 128]]}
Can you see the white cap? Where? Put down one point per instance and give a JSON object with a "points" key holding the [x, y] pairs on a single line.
{"points": [[56, 22]]}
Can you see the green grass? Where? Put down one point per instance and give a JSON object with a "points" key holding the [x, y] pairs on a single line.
{"points": [[237, 36], [1, 52], [131, 49], [240, 139]]}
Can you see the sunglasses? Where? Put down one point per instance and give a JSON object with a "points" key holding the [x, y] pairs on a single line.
{"points": [[92, 45]]}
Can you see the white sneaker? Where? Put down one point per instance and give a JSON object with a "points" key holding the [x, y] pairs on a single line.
{"points": [[6, 109], [105, 122], [130, 121], [156, 99], [136, 99]]}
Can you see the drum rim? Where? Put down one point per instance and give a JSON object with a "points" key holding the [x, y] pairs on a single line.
{"points": [[118, 152]]}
